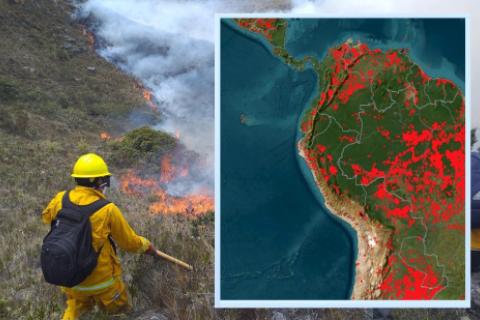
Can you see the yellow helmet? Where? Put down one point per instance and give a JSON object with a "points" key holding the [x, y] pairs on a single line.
{"points": [[90, 165]]}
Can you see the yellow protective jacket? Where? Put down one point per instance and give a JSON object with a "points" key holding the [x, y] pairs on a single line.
{"points": [[106, 221]]}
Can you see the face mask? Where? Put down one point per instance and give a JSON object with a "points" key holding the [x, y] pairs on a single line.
{"points": [[103, 188]]}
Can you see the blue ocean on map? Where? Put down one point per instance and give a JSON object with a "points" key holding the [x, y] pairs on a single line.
{"points": [[437, 45], [278, 241]]}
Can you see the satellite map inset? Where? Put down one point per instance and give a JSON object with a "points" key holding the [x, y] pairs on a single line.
{"points": [[342, 159]]}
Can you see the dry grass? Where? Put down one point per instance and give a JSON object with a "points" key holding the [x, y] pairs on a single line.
{"points": [[32, 173]]}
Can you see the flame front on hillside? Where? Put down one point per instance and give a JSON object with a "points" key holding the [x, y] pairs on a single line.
{"points": [[191, 205], [131, 183], [147, 95], [167, 170], [171, 171]]}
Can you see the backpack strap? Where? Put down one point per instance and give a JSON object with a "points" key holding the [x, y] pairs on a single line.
{"points": [[93, 207], [66, 203], [88, 209]]}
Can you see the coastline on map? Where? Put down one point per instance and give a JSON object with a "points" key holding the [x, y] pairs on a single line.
{"points": [[372, 238], [412, 39], [315, 247], [229, 22]]}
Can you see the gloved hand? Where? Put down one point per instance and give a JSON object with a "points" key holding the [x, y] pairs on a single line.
{"points": [[151, 251]]}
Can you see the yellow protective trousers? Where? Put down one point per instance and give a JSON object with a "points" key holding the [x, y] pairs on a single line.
{"points": [[110, 296]]}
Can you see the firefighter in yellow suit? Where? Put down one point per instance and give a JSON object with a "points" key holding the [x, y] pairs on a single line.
{"points": [[104, 286]]}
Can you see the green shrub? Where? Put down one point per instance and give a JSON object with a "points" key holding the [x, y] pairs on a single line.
{"points": [[141, 144]]}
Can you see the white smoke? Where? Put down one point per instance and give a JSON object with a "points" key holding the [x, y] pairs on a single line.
{"points": [[169, 46]]}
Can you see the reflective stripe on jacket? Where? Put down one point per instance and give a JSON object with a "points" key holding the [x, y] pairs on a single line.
{"points": [[106, 221]]}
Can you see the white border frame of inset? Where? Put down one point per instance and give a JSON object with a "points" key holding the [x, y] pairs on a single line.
{"points": [[219, 303]]}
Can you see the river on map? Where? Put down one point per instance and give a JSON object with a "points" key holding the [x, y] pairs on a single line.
{"points": [[278, 241]]}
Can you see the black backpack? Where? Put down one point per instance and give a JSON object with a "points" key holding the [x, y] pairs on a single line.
{"points": [[68, 256]]}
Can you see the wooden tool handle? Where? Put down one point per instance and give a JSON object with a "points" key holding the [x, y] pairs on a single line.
{"points": [[174, 260]]}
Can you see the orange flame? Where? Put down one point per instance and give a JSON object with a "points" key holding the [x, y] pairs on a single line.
{"points": [[105, 136], [148, 97], [167, 172], [177, 134], [190, 205], [193, 205], [130, 183]]}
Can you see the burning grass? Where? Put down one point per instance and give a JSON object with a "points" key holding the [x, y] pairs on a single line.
{"points": [[147, 95], [158, 162], [190, 205]]}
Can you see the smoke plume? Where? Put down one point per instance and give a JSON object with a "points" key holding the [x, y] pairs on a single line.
{"points": [[169, 47]]}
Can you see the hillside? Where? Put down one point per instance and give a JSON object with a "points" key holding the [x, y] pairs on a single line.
{"points": [[57, 97]]}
